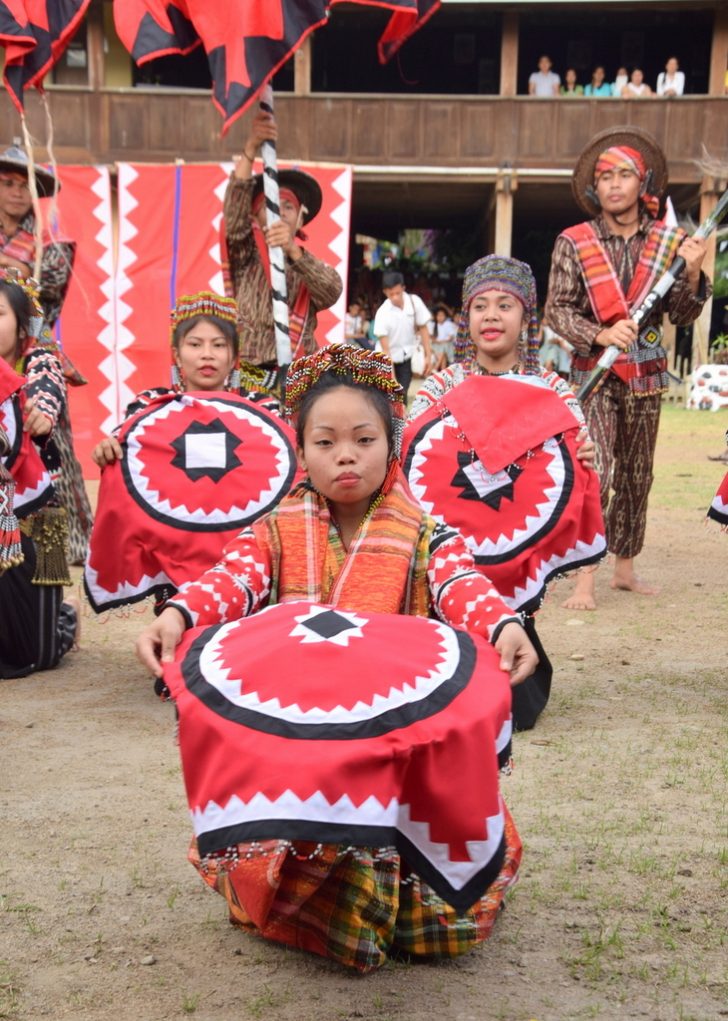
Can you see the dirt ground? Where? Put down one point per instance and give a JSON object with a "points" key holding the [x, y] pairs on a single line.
{"points": [[619, 794]]}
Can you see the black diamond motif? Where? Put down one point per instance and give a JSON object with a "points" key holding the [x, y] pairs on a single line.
{"points": [[328, 624], [216, 472], [492, 498]]}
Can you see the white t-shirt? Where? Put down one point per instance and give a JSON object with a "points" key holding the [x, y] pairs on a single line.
{"points": [[446, 332], [674, 84], [399, 325], [544, 83]]}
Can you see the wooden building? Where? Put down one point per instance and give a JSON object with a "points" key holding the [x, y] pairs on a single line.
{"points": [[444, 136]]}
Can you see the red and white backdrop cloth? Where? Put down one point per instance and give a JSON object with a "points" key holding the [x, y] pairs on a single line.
{"points": [[115, 322]]}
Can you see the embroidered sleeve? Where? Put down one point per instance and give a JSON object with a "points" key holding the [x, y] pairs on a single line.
{"points": [[567, 310], [567, 395], [430, 393], [55, 275], [142, 400], [238, 226], [323, 282], [683, 306], [45, 382], [238, 585], [461, 595]]}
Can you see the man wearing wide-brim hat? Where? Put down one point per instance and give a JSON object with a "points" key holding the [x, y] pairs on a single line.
{"points": [[17, 250], [312, 285], [17, 226], [600, 270]]}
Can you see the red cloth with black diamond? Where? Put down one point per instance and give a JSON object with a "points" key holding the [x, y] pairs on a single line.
{"points": [[197, 468], [35, 34], [33, 485], [246, 41], [718, 509], [496, 459], [312, 723]]}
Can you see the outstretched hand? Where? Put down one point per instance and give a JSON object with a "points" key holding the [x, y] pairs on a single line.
{"points": [[157, 643], [518, 656]]}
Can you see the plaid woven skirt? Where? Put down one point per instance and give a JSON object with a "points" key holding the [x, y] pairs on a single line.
{"points": [[354, 905]]}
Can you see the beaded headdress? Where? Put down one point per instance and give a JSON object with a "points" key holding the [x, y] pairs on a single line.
{"points": [[38, 333], [366, 368], [499, 273], [203, 303]]}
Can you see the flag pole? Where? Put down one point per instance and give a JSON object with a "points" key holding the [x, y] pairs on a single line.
{"points": [[278, 286]]}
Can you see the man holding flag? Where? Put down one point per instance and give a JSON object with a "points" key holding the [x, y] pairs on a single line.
{"points": [[600, 271], [312, 285]]}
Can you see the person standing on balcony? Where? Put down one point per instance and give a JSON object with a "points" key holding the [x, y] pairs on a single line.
{"points": [[598, 86], [620, 80], [544, 82], [312, 284], [671, 81], [600, 269], [637, 87], [571, 87]]}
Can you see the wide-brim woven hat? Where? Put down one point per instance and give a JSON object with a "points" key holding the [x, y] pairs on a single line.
{"points": [[303, 185], [582, 182], [16, 160]]}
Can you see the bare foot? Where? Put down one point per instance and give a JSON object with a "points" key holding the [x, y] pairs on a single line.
{"points": [[583, 597], [632, 583]]}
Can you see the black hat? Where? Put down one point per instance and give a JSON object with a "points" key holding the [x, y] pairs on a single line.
{"points": [[305, 187], [582, 183], [15, 159]]}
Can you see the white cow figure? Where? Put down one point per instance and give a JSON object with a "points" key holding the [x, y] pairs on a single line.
{"points": [[709, 389]]}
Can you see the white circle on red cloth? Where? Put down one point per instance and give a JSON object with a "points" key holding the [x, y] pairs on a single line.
{"points": [[341, 674], [499, 514], [208, 463]]}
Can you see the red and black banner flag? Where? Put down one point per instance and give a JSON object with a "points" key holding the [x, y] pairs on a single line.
{"points": [[246, 41], [307, 722], [196, 469], [509, 481], [35, 33]]}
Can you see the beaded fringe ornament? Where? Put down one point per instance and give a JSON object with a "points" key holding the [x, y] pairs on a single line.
{"points": [[11, 553], [48, 528], [499, 273], [203, 303], [367, 368]]}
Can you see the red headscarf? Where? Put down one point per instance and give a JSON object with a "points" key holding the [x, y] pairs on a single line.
{"points": [[622, 157]]}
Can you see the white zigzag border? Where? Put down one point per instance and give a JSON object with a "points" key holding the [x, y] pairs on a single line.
{"points": [[101, 188], [126, 257], [340, 247]]}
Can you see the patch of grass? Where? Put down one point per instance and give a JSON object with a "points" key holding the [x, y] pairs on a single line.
{"points": [[190, 1003], [8, 992]]}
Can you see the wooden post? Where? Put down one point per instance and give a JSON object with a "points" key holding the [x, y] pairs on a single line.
{"points": [[302, 69], [719, 53], [509, 54], [95, 45], [504, 188]]}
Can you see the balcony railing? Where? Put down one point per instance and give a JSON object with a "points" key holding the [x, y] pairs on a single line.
{"points": [[440, 131]]}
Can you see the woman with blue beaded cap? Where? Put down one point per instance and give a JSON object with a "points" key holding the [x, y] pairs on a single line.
{"points": [[498, 336]]}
